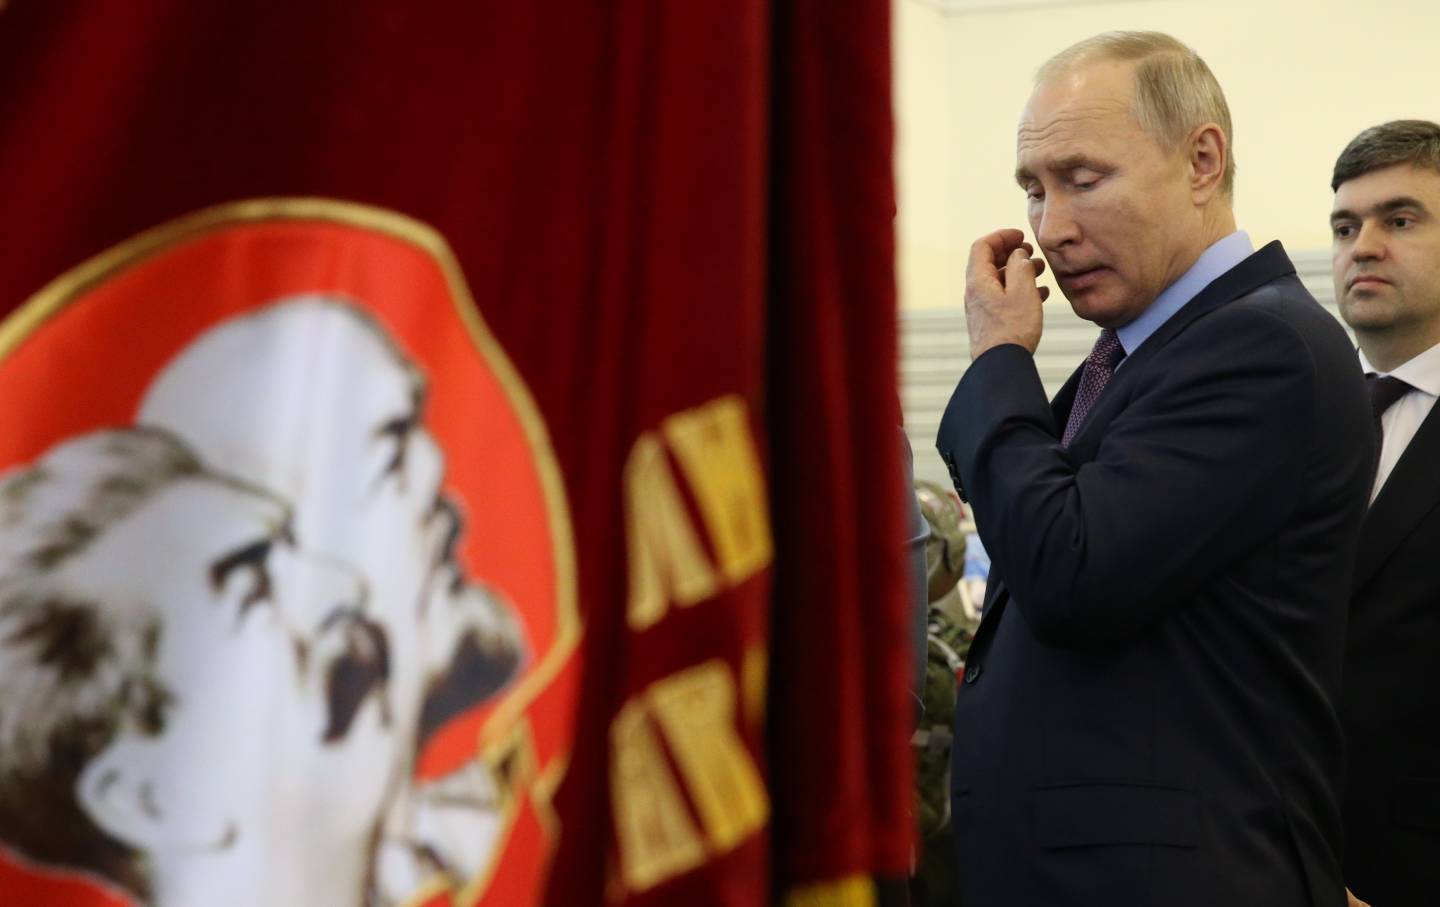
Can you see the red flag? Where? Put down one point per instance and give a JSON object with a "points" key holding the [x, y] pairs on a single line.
{"points": [[448, 455]]}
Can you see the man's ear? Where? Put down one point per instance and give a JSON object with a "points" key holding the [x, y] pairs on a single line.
{"points": [[1208, 151], [117, 790]]}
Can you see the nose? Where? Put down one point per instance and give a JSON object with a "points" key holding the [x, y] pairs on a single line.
{"points": [[426, 468], [1053, 223], [1369, 244]]}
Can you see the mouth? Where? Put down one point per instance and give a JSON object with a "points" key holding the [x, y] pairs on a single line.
{"points": [[1366, 282], [362, 671], [1081, 279]]}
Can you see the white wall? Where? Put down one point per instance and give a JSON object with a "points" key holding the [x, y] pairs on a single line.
{"points": [[1302, 77]]}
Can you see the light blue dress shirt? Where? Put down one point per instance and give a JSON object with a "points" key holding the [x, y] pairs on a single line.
{"points": [[1222, 256]]}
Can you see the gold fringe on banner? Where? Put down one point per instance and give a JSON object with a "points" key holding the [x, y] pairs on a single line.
{"points": [[851, 891]]}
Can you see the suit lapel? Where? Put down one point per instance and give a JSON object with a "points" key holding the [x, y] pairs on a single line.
{"points": [[1065, 400], [1269, 263], [1411, 491]]}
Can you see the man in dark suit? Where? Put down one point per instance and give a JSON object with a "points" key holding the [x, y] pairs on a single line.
{"points": [[1386, 226], [1149, 713]]}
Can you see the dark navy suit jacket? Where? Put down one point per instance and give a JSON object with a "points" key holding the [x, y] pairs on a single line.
{"points": [[1149, 713], [1391, 704]]}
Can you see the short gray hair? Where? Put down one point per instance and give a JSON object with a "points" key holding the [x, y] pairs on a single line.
{"points": [[1414, 142], [1174, 90]]}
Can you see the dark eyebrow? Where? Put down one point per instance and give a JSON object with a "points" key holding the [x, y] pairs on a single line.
{"points": [[252, 553], [1390, 204]]}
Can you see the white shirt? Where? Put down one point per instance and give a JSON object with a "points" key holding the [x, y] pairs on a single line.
{"points": [[1400, 422]]}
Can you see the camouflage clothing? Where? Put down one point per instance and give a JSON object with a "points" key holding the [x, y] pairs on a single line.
{"points": [[951, 628], [945, 550], [948, 642]]}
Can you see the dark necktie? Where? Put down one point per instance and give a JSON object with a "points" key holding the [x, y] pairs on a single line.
{"points": [[1384, 391], [1099, 366]]}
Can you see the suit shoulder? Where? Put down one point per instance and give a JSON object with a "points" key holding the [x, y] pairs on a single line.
{"points": [[1287, 300], [1271, 318], [1284, 310]]}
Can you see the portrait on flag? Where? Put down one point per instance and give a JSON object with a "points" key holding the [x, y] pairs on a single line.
{"points": [[286, 602]]}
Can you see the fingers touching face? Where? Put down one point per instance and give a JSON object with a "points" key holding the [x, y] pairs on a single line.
{"points": [[1005, 252]]}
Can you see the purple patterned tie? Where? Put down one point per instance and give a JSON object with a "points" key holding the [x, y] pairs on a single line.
{"points": [[1099, 366]]}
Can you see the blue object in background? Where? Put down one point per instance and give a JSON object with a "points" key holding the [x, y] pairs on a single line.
{"points": [[977, 561]]}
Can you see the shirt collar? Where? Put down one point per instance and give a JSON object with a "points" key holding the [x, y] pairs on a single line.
{"points": [[1421, 372], [1223, 255]]}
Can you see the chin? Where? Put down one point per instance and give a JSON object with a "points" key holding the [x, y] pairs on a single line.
{"points": [[1362, 316], [1103, 312]]}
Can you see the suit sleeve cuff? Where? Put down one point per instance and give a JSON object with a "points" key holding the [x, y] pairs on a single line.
{"points": [[1001, 385]]}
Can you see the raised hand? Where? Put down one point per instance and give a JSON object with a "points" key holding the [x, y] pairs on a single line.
{"points": [[1002, 301]]}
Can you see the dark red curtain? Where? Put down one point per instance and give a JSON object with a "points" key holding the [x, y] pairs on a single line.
{"points": [[655, 206]]}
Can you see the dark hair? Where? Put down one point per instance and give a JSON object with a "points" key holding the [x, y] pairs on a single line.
{"points": [[1415, 142]]}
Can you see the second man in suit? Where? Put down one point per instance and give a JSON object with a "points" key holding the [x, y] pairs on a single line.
{"points": [[1386, 229], [1149, 712]]}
